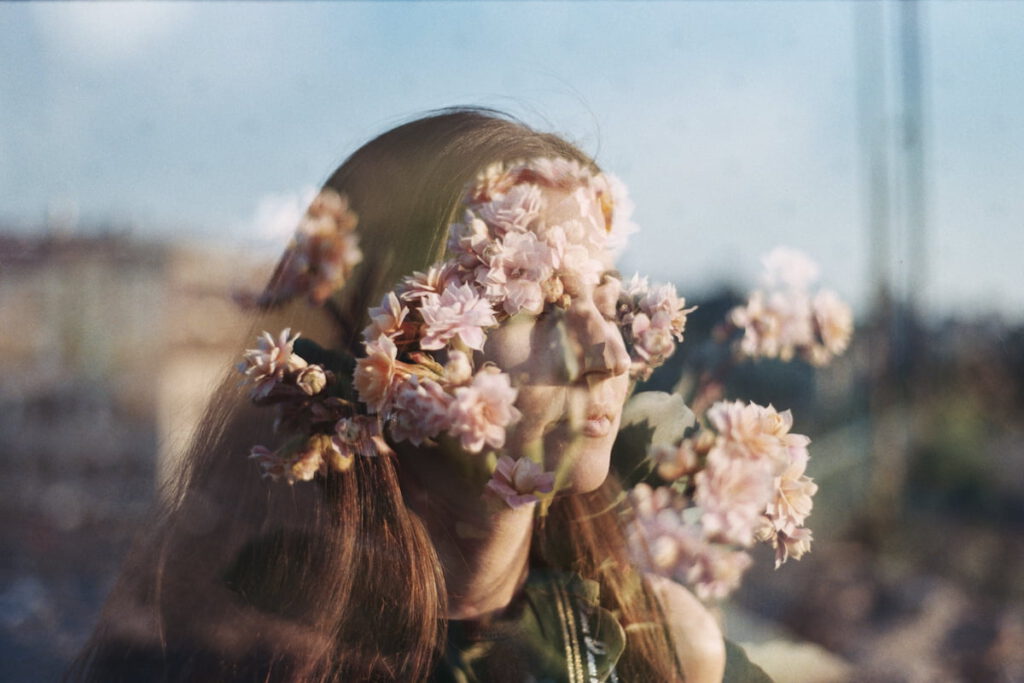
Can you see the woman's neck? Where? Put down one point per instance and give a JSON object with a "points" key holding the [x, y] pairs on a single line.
{"points": [[483, 549]]}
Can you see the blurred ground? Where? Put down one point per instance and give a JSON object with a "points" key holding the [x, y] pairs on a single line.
{"points": [[918, 579]]}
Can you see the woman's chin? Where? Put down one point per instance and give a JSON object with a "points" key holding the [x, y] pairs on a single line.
{"points": [[588, 472]]}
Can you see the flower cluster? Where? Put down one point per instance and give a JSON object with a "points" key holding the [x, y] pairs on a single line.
{"points": [[276, 370], [653, 319], [784, 319], [321, 255], [329, 435], [739, 480], [529, 235]]}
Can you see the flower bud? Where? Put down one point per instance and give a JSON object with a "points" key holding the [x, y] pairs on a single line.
{"points": [[310, 459], [312, 380], [553, 289], [458, 370]]}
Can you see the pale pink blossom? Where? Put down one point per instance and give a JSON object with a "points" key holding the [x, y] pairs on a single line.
{"points": [[434, 281], [775, 324], [519, 482], [652, 339], [756, 431], [717, 571], [470, 241], [420, 410], [360, 435], [300, 465], [664, 541], [834, 322], [458, 312], [622, 213], [271, 362], [482, 411], [657, 533], [578, 213], [375, 373], [573, 260], [555, 172], [386, 319], [653, 320], [673, 462], [793, 497], [785, 267], [493, 181], [514, 211], [517, 267], [666, 308], [784, 320], [794, 545], [321, 255], [732, 494]]}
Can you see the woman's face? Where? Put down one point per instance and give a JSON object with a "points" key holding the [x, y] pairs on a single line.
{"points": [[570, 367]]}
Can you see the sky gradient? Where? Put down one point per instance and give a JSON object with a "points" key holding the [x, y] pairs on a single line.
{"points": [[734, 124]]}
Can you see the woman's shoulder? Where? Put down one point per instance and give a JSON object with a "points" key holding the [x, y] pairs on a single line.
{"points": [[703, 652], [695, 632]]}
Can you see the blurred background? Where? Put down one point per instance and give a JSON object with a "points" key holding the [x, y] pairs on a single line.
{"points": [[154, 157]]}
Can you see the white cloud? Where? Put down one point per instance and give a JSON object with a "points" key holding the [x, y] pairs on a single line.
{"points": [[277, 215], [105, 33]]}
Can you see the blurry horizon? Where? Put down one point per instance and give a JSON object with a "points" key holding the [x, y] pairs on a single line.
{"points": [[735, 125]]}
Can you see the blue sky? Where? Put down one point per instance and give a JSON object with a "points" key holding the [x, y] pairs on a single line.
{"points": [[733, 123]]}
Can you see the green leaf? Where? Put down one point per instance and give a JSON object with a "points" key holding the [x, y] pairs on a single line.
{"points": [[650, 417]]}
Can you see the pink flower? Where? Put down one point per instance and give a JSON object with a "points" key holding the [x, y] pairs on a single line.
{"points": [[375, 373], [386, 319], [785, 267], [653, 320], [517, 267], [775, 324], [716, 571], [554, 172], [482, 411], [493, 181], [459, 312], [470, 241], [783, 320], [673, 462], [793, 498], [437, 278], [755, 431], [834, 322], [419, 411], [268, 364], [666, 308], [622, 213], [360, 435], [572, 257], [321, 255], [518, 482], [733, 493], [793, 545], [514, 211]]}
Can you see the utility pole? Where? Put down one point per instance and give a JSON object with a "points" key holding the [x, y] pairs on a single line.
{"points": [[892, 140]]}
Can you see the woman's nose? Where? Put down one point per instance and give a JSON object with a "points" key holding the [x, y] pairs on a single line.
{"points": [[604, 351]]}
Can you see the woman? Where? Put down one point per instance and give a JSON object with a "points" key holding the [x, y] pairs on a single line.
{"points": [[394, 566]]}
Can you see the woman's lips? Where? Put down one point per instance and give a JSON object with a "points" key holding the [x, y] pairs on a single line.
{"points": [[597, 424]]}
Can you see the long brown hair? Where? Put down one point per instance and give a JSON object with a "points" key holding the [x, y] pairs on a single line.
{"points": [[235, 579]]}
